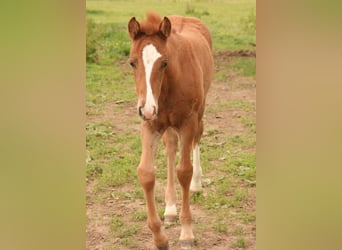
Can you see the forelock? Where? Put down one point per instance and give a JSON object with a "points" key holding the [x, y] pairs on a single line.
{"points": [[150, 26]]}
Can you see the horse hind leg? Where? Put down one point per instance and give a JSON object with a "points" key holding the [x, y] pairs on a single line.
{"points": [[184, 174], [196, 183], [170, 139]]}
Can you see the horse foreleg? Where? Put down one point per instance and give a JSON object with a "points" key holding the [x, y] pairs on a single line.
{"points": [[170, 140], [146, 175], [184, 174]]}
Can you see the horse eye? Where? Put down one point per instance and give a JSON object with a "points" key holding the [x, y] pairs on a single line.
{"points": [[163, 64], [133, 65]]}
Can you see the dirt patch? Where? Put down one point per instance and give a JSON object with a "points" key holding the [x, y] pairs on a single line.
{"points": [[101, 204], [239, 53]]}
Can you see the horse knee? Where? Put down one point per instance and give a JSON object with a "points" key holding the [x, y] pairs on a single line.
{"points": [[184, 174], [146, 178]]}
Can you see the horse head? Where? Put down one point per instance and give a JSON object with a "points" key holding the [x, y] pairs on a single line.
{"points": [[149, 60]]}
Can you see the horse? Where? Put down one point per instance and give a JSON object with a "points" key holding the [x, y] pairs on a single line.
{"points": [[172, 64]]}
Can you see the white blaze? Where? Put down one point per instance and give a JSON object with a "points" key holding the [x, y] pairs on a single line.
{"points": [[149, 55]]}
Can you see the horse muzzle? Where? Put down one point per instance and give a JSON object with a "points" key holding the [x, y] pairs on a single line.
{"points": [[148, 113]]}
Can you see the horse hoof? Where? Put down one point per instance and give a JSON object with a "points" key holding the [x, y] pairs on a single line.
{"points": [[196, 188], [165, 247], [187, 244], [170, 220]]}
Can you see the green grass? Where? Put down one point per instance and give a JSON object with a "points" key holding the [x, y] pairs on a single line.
{"points": [[104, 142], [139, 215], [232, 23], [246, 65], [249, 123], [107, 83], [238, 231], [239, 243], [236, 105], [106, 42], [126, 234], [221, 227]]}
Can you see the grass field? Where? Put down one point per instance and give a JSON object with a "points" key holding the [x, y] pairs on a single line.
{"points": [[224, 213], [232, 22]]}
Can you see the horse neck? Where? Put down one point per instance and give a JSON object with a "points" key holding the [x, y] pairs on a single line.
{"points": [[175, 75], [176, 54]]}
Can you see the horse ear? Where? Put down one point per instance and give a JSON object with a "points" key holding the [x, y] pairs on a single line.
{"points": [[165, 27], [133, 28]]}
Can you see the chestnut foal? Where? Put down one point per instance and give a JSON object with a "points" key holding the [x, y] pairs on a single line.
{"points": [[173, 68]]}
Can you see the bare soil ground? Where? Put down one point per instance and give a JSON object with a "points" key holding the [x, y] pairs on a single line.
{"points": [[100, 210]]}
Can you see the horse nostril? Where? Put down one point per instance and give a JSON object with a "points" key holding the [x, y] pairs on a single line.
{"points": [[140, 111], [154, 110]]}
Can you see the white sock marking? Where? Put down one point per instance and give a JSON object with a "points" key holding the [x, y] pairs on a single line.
{"points": [[149, 55], [170, 210], [196, 184]]}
